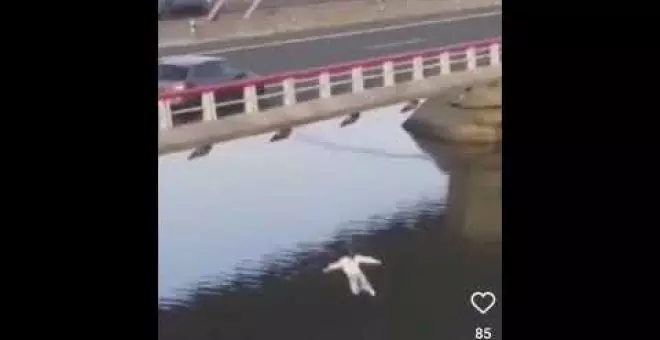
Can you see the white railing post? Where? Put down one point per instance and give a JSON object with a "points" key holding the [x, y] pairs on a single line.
{"points": [[289, 91], [357, 79], [165, 114], [445, 63], [418, 68], [471, 56], [388, 73], [325, 90], [208, 106], [250, 99], [494, 52]]}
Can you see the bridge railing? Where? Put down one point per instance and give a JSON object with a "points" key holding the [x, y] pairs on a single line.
{"points": [[288, 88]]}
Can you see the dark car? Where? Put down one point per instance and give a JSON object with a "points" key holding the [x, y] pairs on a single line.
{"points": [[191, 71]]}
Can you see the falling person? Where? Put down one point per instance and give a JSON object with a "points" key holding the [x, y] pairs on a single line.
{"points": [[350, 265]]}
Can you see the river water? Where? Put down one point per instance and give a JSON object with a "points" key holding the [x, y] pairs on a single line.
{"points": [[245, 231]]}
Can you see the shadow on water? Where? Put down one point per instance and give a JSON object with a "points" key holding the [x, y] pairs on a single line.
{"points": [[358, 150], [328, 145], [434, 256]]}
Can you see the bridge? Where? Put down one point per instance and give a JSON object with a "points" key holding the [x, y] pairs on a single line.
{"points": [[238, 109]]}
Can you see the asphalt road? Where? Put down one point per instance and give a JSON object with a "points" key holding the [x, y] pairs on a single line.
{"points": [[242, 6], [242, 41], [283, 53]]}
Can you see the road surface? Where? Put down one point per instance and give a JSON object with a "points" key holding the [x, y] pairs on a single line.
{"points": [[233, 6], [298, 51]]}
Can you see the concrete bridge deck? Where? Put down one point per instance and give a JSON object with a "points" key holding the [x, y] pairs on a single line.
{"points": [[274, 56], [275, 119]]}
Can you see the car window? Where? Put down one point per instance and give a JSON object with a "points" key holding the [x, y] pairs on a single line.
{"points": [[217, 69], [172, 72]]}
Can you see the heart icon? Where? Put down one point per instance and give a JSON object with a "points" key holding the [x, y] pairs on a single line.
{"points": [[479, 299]]}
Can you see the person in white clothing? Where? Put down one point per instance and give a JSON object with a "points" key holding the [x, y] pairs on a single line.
{"points": [[350, 265]]}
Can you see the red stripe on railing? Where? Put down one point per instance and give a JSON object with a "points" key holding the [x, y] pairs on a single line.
{"points": [[336, 68]]}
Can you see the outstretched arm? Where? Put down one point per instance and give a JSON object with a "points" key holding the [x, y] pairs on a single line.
{"points": [[367, 259], [332, 266]]}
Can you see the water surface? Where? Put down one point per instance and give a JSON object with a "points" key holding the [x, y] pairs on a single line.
{"points": [[245, 231]]}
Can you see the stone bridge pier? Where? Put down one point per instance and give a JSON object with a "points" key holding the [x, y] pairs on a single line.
{"points": [[461, 130], [468, 115], [474, 200]]}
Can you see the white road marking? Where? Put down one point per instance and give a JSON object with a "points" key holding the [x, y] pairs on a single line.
{"points": [[394, 44], [352, 33]]}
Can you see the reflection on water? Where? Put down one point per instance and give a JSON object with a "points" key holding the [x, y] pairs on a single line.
{"points": [[246, 231]]}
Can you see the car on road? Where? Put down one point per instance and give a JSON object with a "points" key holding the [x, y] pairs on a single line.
{"points": [[190, 71]]}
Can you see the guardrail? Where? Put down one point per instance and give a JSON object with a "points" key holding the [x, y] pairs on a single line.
{"points": [[288, 88]]}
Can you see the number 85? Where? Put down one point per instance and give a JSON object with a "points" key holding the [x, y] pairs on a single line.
{"points": [[483, 333]]}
